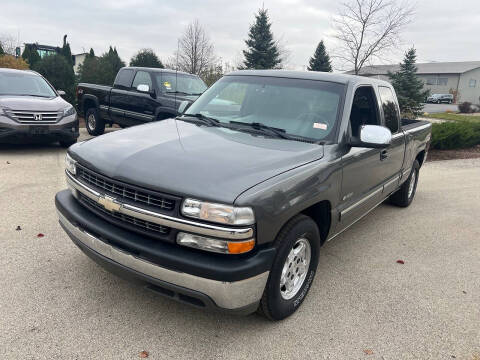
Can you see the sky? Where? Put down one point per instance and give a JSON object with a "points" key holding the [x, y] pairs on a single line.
{"points": [[441, 30]]}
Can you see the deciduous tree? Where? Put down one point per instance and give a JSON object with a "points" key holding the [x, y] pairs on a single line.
{"points": [[367, 29], [146, 58], [195, 51], [11, 62]]}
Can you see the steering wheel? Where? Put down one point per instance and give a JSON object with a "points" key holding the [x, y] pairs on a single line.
{"points": [[307, 119]]}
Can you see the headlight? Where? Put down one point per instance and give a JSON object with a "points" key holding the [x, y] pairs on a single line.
{"points": [[70, 164], [215, 245], [69, 111], [218, 213]]}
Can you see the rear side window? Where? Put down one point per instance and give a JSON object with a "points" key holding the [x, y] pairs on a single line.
{"points": [[390, 109], [142, 78], [124, 78]]}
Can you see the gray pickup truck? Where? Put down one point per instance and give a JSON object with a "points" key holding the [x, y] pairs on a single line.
{"points": [[227, 205]]}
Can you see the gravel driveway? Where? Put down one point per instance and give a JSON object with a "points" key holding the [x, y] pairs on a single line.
{"points": [[55, 303]]}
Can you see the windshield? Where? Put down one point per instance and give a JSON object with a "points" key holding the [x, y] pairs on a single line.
{"points": [[24, 84], [187, 84], [304, 108]]}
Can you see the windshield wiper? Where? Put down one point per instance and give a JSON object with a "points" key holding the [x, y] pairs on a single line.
{"points": [[205, 119], [34, 95], [280, 133], [277, 132], [178, 92]]}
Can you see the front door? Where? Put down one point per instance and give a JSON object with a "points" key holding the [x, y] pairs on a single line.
{"points": [[362, 180]]}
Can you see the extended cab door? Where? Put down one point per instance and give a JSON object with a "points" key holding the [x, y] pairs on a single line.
{"points": [[119, 94], [392, 157], [363, 177]]}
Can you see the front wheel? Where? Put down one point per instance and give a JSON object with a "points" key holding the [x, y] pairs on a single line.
{"points": [[293, 269], [403, 197], [94, 124]]}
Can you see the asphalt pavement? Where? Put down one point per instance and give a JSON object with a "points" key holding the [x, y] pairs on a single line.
{"points": [[439, 108], [55, 303]]}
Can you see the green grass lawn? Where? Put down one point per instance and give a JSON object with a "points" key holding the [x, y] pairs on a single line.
{"points": [[454, 117]]}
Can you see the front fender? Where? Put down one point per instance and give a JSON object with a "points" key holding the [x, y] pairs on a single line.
{"points": [[278, 199]]}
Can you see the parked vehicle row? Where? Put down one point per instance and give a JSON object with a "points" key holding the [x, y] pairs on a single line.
{"points": [[31, 109], [227, 205], [138, 95]]}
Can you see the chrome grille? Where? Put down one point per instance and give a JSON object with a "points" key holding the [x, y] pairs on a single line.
{"points": [[124, 191], [142, 224], [35, 117]]}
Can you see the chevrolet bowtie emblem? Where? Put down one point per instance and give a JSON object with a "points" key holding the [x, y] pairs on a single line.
{"points": [[109, 203]]}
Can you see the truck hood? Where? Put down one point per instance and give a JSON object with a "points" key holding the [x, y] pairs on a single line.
{"points": [[186, 159], [32, 103]]}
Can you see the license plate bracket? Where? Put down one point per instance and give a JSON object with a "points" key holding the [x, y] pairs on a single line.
{"points": [[39, 130]]}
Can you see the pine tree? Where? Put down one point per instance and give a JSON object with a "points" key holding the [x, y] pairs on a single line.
{"points": [[67, 53], [30, 55], [262, 50], [58, 71], [320, 61], [1, 50], [91, 53], [408, 86]]}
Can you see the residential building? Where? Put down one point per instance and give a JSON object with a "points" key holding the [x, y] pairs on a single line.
{"points": [[78, 60], [461, 78]]}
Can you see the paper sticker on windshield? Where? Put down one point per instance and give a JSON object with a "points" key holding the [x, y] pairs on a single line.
{"points": [[320, 126], [167, 85]]}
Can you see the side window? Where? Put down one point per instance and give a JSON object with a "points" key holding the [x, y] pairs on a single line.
{"points": [[142, 78], [364, 110], [390, 109], [124, 78]]}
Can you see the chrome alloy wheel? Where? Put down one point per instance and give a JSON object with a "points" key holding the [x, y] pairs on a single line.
{"points": [[295, 269], [411, 186], [91, 121]]}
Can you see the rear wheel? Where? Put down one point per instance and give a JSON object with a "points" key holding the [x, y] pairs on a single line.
{"points": [[94, 124], [403, 197], [293, 269]]}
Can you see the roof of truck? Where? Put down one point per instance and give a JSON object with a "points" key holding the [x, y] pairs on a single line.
{"points": [[158, 70], [311, 75]]}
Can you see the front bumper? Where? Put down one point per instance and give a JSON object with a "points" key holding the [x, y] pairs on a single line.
{"points": [[66, 128], [223, 282]]}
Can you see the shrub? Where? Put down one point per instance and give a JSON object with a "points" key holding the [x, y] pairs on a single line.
{"points": [[455, 135], [465, 107], [9, 61]]}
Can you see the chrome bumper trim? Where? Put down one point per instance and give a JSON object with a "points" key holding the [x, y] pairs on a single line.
{"points": [[161, 219], [227, 295]]}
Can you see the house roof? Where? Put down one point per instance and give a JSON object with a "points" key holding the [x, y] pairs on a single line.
{"points": [[424, 68]]}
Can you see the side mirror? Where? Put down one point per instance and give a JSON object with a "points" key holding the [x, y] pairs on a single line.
{"points": [[143, 88], [61, 92], [184, 105], [374, 136]]}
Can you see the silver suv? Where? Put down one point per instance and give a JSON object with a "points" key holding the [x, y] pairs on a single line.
{"points": [[31, 109], [440, 98]]}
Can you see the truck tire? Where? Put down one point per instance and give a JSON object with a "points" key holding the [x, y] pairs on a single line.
{"points": [[94, 124], [403, 197], [293, 270]]}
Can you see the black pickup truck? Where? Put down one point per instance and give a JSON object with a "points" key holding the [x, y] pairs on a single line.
{"points": [[227, 205], [138, 95]]}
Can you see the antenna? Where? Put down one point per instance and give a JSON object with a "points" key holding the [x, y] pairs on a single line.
{"points": [[176, 73]]}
